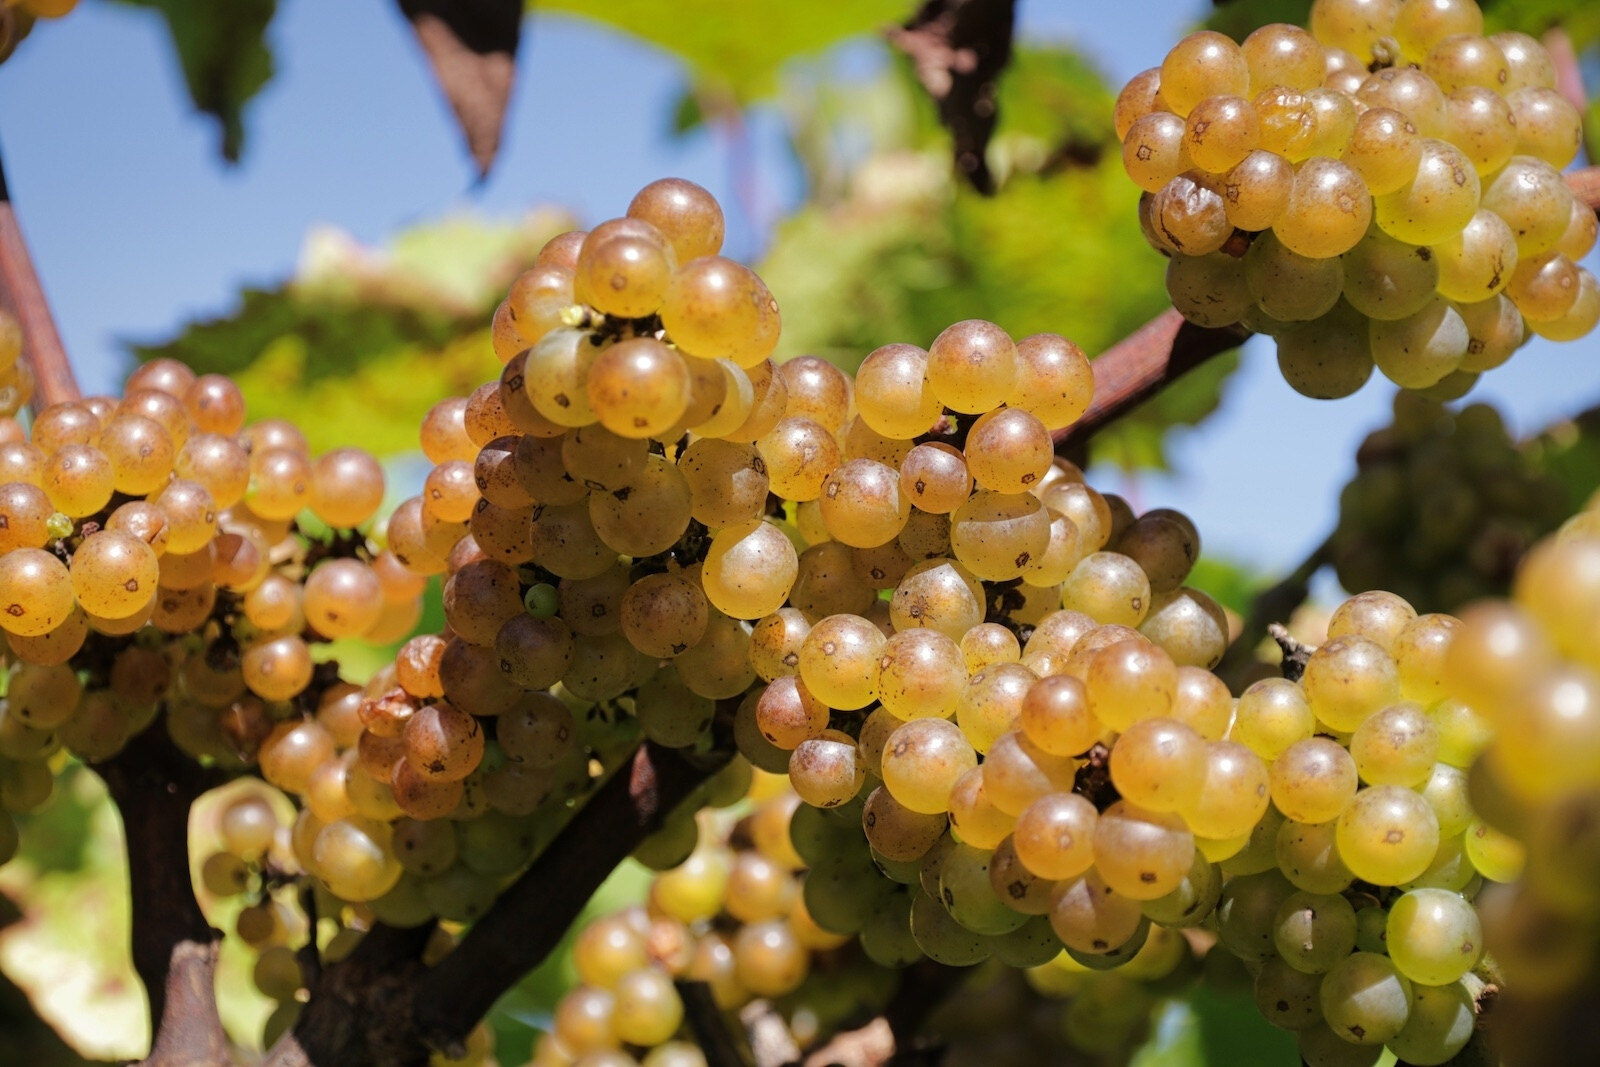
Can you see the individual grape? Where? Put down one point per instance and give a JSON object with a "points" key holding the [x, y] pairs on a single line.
{"points": [[1388, 279], [934, 478], [1353, 25], [1089, 916], [1109, 587], [663, 614], [1287, 998], [1476, 263], [1336, 115], [838, 658], [78, 479], [1053, 380], [1138, 98], [1160, 765], [1209, 290], [998, 535], [1365, 999], [1233, 792], [1128, 681], [893, 393], [799, 454], [1533, 199], [1384, 149], [1480, 122], [1313, 780], [972, 366], [922, 762], [1189, 216], [1434, 936], [36, 593], [636, 388], [1387, 835], [1548, 126], [1326, 358], [1442, 1021], [1141, 854], [1289, 286], [1313, 932], [1202, 65], [1437, 202], [1247, 912], [1396, 746], [895, 831], [685, 214], [1279, 54], [114, 574], [749, 570], [1220, 131], [1055, 716], [1463, 60], [1544, 286], [920, 672], [1308, 855], [1347, 679], [991, 701], [1580, 319], [862, 505], [1288, 122], [1256, 190], [824, 770]]}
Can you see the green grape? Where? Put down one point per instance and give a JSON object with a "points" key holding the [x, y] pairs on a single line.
{"points": [[1278, 54], [941, 594], [1326, 358], [1387, 835], [966, 891], [1498, 856], [1192, 901], [972, 366], [1289, 285], [941, 938], [1220, 131], [1287, 998], [1434, 936], [1109, 587], [1314, 931], [1192, 629], [1442, 1021], [1481, 123], [1353, 25], [647, 1010], [1233, 791], [998, 535], [1272, 715], [1054, 836], [1308, 855], [1247, 911], [1365, 999], [1383, 149], [1389, 279], [886, 938], [1053, 380]]}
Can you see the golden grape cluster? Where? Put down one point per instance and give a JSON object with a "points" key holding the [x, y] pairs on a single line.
{"points": [[1383, 190]]}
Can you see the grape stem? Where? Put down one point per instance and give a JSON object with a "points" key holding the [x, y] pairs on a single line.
{"points": [[174, 947], [381, 1006], [21, 293], [1164, 349], [709, 1025], [890, 1038], [1270, 608]]}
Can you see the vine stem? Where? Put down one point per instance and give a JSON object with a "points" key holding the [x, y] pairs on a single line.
{"points": [[21, 292]]}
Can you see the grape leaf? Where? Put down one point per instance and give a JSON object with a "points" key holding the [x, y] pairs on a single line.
{"points": [[223, 51], [472, 47], [738, 47], [361, 342]]}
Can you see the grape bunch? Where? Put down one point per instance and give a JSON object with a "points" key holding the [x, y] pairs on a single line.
{"points": [[18, 16], [1442, 507], [1529, 668], [1382, 190], [155, 561]]}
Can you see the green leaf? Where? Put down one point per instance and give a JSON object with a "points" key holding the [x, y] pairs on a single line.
{"points": [[1209, 1029], [224, 55], [360, 344], [1230, 583], [738, 46]]}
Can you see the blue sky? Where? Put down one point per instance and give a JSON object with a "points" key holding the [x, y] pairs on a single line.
{"points": [[137, 226]]}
